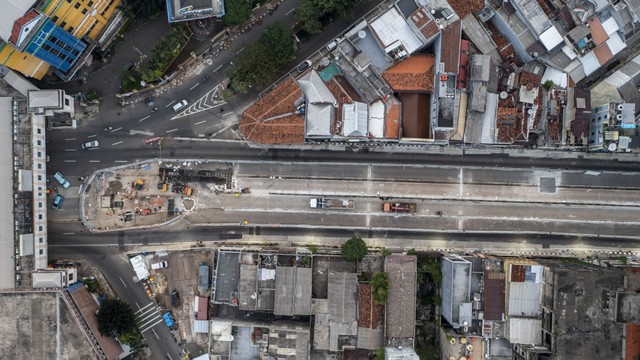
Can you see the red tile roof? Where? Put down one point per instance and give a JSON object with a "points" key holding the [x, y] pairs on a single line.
{"points": [[466, 7], [416, 116], [450, 54], [603, 54], [463, 70], [425, 23], [392, 119], [17, 25], [414, 74], [632, 343], [597, 31], [259, 124]]}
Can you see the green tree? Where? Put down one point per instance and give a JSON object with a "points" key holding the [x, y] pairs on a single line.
{"points": [[385, 252], [278, 39], [143, 9], [432, 268], [307, 13], [379, 354], [115, 316], [236, 11], [379, 287], [132, 338], [548, 84], [313, 248], [354, 249]]}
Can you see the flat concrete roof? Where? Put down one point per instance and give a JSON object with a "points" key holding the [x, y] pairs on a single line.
{"points": [[7, 245], [401, 300], [293, 291]]}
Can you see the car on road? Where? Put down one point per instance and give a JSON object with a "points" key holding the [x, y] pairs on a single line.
{"points": [[57, 201], [62, 180], [91, 145], [159, 265], [302, 67], [179, 106]]}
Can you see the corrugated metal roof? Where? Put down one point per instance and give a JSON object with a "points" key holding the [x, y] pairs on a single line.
{"points": [[590, 63], [525, 331], [201, 326], [615, 43], [391, 27], [493, 295], [355, 118], [551, 38], [140, 267], [524, 298]]}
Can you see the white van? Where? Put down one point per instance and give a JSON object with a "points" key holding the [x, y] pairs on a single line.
{"points": [[159, 265], [64, 182], [179, 106]]}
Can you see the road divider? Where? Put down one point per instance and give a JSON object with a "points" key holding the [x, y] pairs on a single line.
{"points": [[70, 139], [172, 130], [144, 118], [194, 86], [117, 143], [118, 129], [169, 104], [141, 132], [200, 122]]}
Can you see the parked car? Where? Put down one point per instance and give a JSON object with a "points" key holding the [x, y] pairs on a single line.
{"points": [[159, 265], [304, 66], [57, 201], [91, 145], [62, 180], [179, 106]]}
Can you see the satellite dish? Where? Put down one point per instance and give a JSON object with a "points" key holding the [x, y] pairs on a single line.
{"points": [[613, 147], [530, 112], [620, 107], [362, 34], [503, 95], [619, 116]]}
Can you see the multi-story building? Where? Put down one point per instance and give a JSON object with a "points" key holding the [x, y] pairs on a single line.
{"points": [[55, 35], [23, 226]]}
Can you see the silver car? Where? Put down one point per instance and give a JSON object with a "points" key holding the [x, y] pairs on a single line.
{"points": [[91, 145]]}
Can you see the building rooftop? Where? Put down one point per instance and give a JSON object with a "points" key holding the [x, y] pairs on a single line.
{"points": [[524, 288], [7, 263], [424, 21], [356, 119], [391, 30], [416, 115], [533, 15], [415, 74], [293, 291], [450, 53], [455, 288], [227, 275], [342, 296], [12, 11], [401, 300], [272, 119], [493, 295], [598, 32]]}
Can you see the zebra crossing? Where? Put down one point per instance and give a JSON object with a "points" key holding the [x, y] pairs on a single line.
{"points": [[147, 317], [208, 101]]}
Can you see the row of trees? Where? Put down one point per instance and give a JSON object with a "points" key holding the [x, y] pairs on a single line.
{"points": [[259, 64], [143, 9]]}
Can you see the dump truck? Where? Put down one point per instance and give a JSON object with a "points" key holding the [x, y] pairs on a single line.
{"points": [[398, 207], [328, 203]]}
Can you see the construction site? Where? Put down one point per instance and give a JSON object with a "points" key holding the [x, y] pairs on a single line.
{"points": [[149, 194]]}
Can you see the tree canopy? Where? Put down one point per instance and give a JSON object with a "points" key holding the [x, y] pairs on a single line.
{"points": [[237, 11], [379, 287], [143, 9], [260, 63], [115, 316], [354, 249], [310, 12]]}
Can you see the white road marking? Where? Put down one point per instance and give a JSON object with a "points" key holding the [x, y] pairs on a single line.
{"points": [[169, 104], [172, 130], [169, 356], [70, 149], [117, 143], [290, 11], [200, 122], [91, 136], [121, 161], [227, 114], [156, 334], [239, 51], [137, 305], [140, 309], [144, 118], [114, 130], [125, 285], [150, 326], [194, 86], [218, 68], [68, 233], [94, 161], [141, 132], [69, 161], [70, 139]]}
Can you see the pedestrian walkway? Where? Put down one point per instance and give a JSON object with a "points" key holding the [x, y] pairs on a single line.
{"points": [[147, 317]]}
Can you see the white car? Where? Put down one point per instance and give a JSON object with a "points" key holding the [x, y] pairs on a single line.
{"points": [[91, 145], [179, 106], [159, 265]]}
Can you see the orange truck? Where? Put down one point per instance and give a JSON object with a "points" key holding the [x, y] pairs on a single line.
{"points": [[398, 207]]}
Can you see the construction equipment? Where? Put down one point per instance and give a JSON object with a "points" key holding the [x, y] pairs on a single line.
{"points": [[187, 191], [138, 184], [327, 203]]}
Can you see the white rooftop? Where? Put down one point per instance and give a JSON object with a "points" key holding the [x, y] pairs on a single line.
{"points": [[44, 99], [140, 267], [47, 279], [7, 250], [551, 38], [355, 119], [558, 77], [615, 43], [610, 26], [590, 63], [391, 27]]}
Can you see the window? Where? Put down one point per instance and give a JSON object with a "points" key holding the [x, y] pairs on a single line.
{"points": [[84, 11], [66, 102], [39, 131], [39, 142], [39, 166], [76, 6], [54, 19], [62, 25], [39, 177], [39, 205], [40, 240], [90, 3], [40, 251], [40, 228], [70, 29], [69, 1], [39, 216], [39, 154]]}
